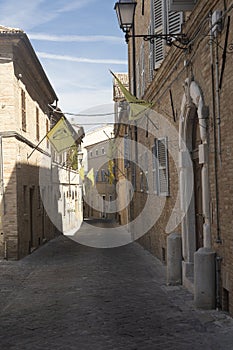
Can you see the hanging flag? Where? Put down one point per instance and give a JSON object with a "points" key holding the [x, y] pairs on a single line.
{"points": [[90, 176], [137, 107], [111, 176], [61, 135], [82, 173]]}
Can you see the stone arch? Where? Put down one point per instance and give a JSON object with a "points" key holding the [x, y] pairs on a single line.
{"points": [[193, 105]]}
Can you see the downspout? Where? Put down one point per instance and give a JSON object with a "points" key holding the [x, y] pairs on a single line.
{"points": [[218, 239], [2, 196], [218, 103]]}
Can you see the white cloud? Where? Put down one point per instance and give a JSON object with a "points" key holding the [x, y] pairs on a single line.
{"points": [[81, 59], [27, 14], [24, 14], [74, 38], [74, 5]]}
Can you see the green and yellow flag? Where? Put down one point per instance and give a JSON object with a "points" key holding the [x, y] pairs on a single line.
{"points": [[82, 173], [111, 176], [90, 176], [137, 107], [61, 136]]}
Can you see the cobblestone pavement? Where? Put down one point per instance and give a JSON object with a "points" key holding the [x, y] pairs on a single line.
{"points": [[68, 296]]}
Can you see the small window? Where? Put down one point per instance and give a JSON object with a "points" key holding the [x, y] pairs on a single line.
{"points": [[103, 176], [96, 152], [96, 176], [102, 151], [90, 153]]}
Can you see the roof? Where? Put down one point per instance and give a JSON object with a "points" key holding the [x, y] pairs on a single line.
{"points": [[9, 30], [19, 34]]}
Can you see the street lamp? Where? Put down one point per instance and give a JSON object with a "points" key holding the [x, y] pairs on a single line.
{"points": [[125, 10]]}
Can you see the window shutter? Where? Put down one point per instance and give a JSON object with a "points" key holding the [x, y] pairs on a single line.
{"points": [[162, 156], [158, 19], [174, 22], [155, 167], [182, 5]]}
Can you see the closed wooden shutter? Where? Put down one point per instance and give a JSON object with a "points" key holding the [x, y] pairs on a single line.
{"points": [[164, 21], [155, 167], [162, 156], [158, 23], [174, 21]]}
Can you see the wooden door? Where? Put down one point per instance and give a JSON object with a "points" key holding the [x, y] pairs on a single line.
{"points": [[197, 168]]}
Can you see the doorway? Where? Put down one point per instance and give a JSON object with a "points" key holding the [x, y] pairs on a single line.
{"points": [[197, 184], [31, 215]]}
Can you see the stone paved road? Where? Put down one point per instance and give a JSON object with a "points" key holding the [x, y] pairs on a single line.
{"points": [[68, 296]]}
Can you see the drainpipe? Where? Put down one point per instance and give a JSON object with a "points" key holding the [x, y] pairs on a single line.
{"points": [[218, 239], [2, 204], [218, 103]]}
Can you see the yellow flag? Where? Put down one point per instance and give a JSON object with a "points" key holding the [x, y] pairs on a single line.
{"points": [[111, 176], [90, 176], [61, 136], [137, 107], [81, 173]]}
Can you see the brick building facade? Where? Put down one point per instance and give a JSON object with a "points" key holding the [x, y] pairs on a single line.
{"points": [[189, 134], [29, 179]]}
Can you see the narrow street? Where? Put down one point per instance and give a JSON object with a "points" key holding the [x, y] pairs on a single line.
{"points": [[70, 296]]}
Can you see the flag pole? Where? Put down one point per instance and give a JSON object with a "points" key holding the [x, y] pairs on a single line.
{"points": [[34, 149]]}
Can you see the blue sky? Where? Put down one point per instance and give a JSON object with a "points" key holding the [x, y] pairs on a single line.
{"points": [[77, 43]]}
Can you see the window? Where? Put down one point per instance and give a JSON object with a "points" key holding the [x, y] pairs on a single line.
{"points": [[90, 154], [160, 167], [102, 151], [96, 152], [163, 21], [23, 109], [103, 176], [96, 176], [37, 124]]}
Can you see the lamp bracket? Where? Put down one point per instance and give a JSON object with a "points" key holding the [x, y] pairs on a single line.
{"points": [[169, 38]]}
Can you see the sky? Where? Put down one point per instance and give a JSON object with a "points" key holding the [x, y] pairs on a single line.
{"points": [[77, 43]]}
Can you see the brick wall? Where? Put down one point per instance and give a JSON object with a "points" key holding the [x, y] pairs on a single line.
{"points": [[196, 65]]}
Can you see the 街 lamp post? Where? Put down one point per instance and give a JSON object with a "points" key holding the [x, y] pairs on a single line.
{"points": [[125, 11]]}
